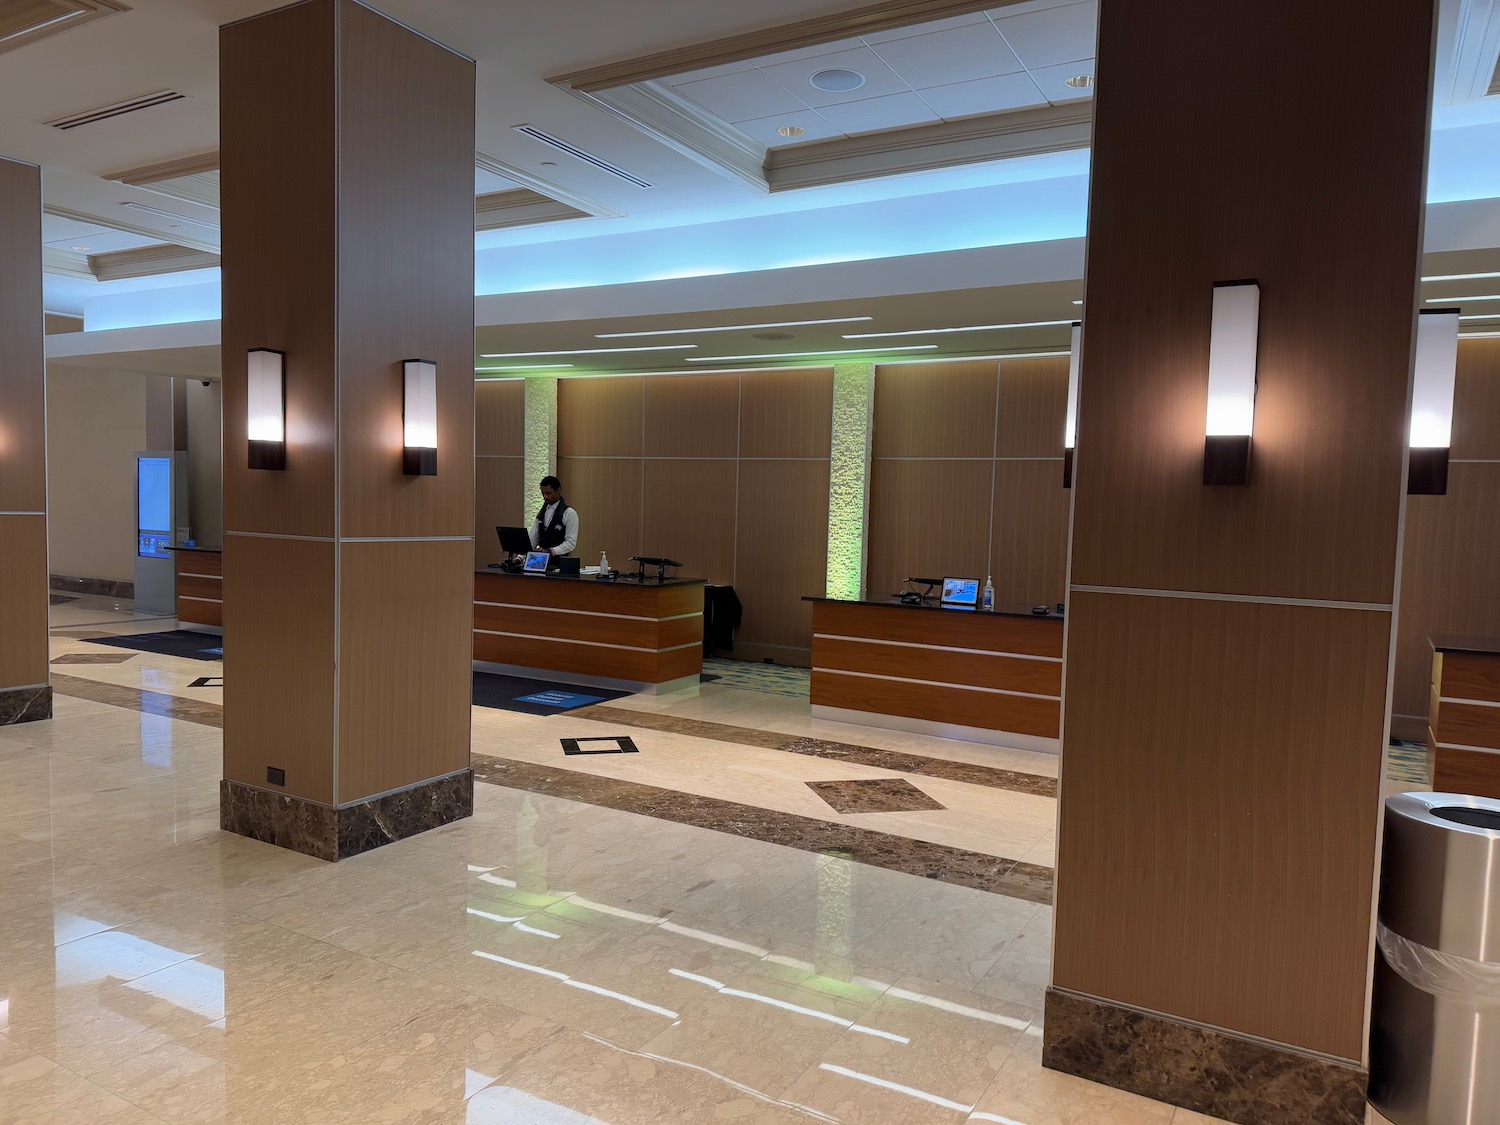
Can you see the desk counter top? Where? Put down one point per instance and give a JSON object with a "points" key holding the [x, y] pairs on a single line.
{"points": [[1002, 609], [624, 581], [199, 550], [1477, 646]]}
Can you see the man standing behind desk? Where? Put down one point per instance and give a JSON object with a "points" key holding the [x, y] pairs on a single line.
{"points": [[555, 528]]}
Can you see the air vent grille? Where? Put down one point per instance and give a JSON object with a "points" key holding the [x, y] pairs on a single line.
{"points": [[587, 157], [118, 109]]}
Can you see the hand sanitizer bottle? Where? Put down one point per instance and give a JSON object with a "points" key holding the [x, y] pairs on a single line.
{"points": [[989, 593], [603, 565]]}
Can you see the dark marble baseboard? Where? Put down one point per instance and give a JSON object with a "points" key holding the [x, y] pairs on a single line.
{"points": [[1207, 1070], [104, 587], [333, 834], [25, 704]]}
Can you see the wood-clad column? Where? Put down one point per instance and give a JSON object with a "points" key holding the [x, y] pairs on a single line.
{"points": [[25, 687], [348, 218], [1229, 648]]}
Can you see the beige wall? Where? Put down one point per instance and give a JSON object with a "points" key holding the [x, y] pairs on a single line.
{"points": [[96, 421]]}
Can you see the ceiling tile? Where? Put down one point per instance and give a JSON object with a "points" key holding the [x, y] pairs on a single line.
{"points": [[924, 28], [986, 95], [879, 78], [959, 54], [105, 241], [1053, 81], [740, 97], [1052, 36], [764, 129], [486, 182], [873, 115], [1027, 6], [55, 228]]}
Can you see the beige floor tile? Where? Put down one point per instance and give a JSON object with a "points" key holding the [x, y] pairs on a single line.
{"points": [[34, 1090], [950, 934]]}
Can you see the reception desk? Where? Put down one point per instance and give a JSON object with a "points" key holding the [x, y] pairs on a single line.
{"points": [[1463, 733], [635, 636], [200, 588], [982, 676]]}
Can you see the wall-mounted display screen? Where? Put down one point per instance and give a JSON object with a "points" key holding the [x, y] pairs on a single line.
{"points": [[153, 507]]}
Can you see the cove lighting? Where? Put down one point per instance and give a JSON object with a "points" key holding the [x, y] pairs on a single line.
{"points": [[730, 327], [1231, 382], [1434, 371], [965, 328], [265, 415], [805, 355], [1481, 316], [1459, 276], [528, 367], [1070, 420], [588, 351], [1429, 301], [419, 418]]}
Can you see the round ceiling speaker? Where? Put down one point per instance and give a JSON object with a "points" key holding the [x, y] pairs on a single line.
{"points": [[837, 80]]}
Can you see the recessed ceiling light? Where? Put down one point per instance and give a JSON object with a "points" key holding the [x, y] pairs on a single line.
{"points": [[731, 327], [805, 355], [1430, 300], [586, 351], [80, 249], [791, 130], [837, 80], [1080, 81], [1078, 302], [965, 328]]}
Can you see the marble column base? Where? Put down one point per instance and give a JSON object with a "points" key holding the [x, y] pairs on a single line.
{"points": [[333, 834], [25, 705], [103, 587], [1207, 1070]]}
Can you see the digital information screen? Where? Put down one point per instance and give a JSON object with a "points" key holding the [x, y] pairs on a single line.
{"points": [[153, 507]]}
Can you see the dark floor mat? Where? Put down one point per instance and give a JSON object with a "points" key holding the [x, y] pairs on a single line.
{"points": [[535, 697], [174, 642]]}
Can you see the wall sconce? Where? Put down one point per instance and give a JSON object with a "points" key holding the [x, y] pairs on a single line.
{"points": [[266, 413], [1231, 382], [419, 419], [1070, 422], [1434, 373]]}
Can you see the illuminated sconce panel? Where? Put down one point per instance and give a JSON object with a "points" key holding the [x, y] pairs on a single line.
{"points": [[266, 409], [1434, 373], [1231, 382], [1070, 422], [419, 418]]}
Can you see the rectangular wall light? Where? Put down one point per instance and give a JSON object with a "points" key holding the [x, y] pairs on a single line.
{"points": [[265, 422], [1070, 420], [419, 419], [1235, 332], [1434, 373]]}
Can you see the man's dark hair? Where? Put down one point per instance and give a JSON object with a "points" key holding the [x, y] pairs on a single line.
{"points": [[551, 482]]}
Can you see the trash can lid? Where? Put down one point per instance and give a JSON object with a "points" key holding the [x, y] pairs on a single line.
{"points": [[1440, 872]]}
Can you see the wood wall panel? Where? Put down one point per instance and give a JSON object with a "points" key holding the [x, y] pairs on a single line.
{"points": [[23, 601], [783, 552], [786, 413], [497, 503], [650, 600], [987, 632], [1467, 771], [692, 416], [23, 407], [210, 563], [599, 417], [1029, 548], [1203, 741], [1476, 400], [936, 704], [1471, 676], [1004, 673], [1467, 724], [499, 417], [1033, 407], [935, 410], [279, 665], [688, 515], [928, 519], [200, 612], [404, 659], [607, 494], [588, 660], [192, 586]]}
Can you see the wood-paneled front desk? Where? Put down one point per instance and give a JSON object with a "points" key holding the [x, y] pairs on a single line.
{"points": [[638, 636], [1463, 733], [200, 588], [993, 677]]}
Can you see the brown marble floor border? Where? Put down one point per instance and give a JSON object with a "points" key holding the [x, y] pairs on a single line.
{"points": [[995, 874], [1016, 782], [136, 699]]}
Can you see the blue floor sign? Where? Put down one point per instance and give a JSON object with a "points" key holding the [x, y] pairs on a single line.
{"points": [[561, 699]]}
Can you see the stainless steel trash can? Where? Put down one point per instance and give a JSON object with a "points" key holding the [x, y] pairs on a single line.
{"points": [[1435, 1019]]}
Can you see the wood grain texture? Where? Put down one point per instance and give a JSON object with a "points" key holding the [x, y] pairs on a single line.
{"points": [[1470, 676], [628, 632], [986, 632], [783, 549], [607, 494], [1466, 724], [200, 612], [500, 417], [192, 586], [279, 663], [404, 659], [1033, 407], [23, 601], [1476, 400], [928, 519], [278, 120], [647, 601], [1005, 673], [786, 413], [23, 403], [1466, 771], [935, 410], [209, 563], [692, 416], [1205, 790], [497, 503], [688, 515], [599, 418], [589, 660], [1029, 542], [936, 704]]}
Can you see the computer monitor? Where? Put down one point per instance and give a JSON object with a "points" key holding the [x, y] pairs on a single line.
{"points": [[537, 561], [961, 592], [514, 540]]}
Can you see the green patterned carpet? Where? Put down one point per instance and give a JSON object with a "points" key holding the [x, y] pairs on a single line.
{"points": [[774, 679], [1408, 762]]}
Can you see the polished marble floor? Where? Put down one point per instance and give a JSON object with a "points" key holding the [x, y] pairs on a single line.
{"points": [[547, 960]]}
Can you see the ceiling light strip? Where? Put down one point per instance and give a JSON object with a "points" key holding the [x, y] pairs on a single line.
{"points": [[1460, 300], [528, 367], [588, 351], [731, 327], [1459, 276], [805, 355], [964, 328]]}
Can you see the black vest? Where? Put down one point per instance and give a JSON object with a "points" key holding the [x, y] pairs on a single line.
{"points": [[551, 534]]}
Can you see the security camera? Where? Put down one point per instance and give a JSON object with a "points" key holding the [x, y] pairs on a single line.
{"points": [[205, 382]]}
